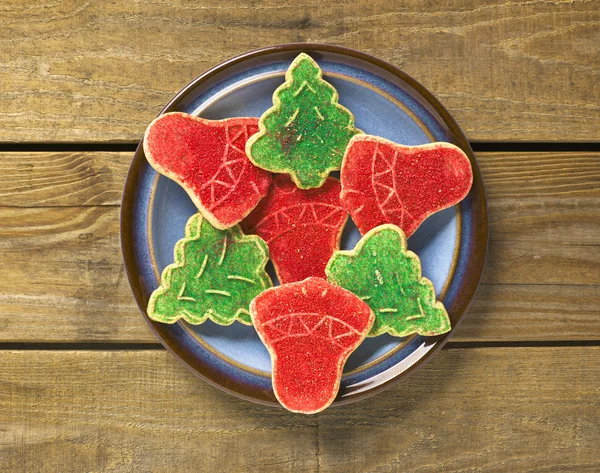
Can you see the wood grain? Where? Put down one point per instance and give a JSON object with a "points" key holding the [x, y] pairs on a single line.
{"points": [[490, 410], [532, 312], [67, 276], [136, 411], [85, 70], [68, 284], [44, 179], [543, 197]]}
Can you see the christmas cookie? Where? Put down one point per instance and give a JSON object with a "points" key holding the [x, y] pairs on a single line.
{"points": [[306, 131], [384, 274], [216, 274], [301, 227], [310, 328], [384, 182], [208, 159]]}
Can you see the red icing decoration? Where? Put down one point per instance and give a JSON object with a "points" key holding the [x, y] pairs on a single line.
{"points": [[310, 328], [302, 227], [208, 159], [384, 182]]}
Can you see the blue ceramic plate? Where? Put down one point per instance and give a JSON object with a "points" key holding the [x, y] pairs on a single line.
{"points": [[386, 102]]}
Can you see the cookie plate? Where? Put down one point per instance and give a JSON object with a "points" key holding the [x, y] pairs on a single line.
{"points": [[386, 102]]}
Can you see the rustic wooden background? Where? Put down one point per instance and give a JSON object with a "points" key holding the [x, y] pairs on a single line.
{"points": [[84, 385]]}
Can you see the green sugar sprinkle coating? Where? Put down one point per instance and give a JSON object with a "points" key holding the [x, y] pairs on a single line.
{"points": [[216, 274], [306, 132], [382, 272]]}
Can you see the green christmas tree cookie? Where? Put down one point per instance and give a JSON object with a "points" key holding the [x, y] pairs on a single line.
{"points": [[383, 273], [216, 274], [306, 132]]}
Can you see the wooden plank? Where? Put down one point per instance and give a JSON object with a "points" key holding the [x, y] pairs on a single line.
{"points": [[509, 409], [44, 179], [533, 312], [485, 409], [67, 276], [550, 198], [80, 70], [68, 284], [531, 262], [535, 196], [544, 216], [136, 411]]}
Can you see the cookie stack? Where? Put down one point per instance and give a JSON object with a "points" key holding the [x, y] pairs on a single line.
{"points": [[264, 191]]}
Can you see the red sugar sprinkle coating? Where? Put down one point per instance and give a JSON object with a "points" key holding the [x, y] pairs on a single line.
{"points": [[208, 159], [302, 227], [384, 182], [310, 328]]}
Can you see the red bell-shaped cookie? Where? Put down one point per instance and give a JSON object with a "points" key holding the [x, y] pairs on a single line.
{"points": [[208, 159], [384, 182], [301, 226], [310, 328]]}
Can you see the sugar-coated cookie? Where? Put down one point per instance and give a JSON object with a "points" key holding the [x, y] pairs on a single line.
{"points": [[310, 328], [384, 274], [302, 227], [306, 131], [384, 182], [208, 159], [216, 274]]}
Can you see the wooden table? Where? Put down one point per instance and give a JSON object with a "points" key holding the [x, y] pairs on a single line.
{"points": [[84, 385]]}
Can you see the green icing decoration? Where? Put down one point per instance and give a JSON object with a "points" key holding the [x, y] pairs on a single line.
{"points": [[216, 274], [382, 272], [306, 132]]}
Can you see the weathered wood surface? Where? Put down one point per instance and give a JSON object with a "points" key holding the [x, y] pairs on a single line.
{"points": [[59, 235], [62, 179], [500, 409], [485, 409], [85, 70]]}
